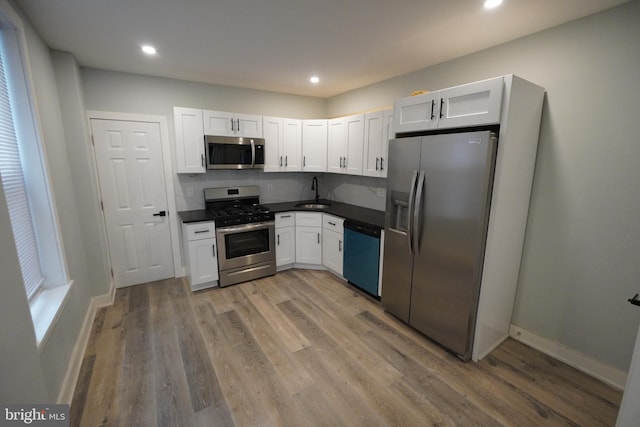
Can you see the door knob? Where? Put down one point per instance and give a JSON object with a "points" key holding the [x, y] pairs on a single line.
{"points": [[161, 213]]}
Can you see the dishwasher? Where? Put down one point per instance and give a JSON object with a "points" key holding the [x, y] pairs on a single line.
{"points": [[362, 256]]}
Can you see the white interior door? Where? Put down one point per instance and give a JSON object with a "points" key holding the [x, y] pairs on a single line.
{"points": [[132, 186]]}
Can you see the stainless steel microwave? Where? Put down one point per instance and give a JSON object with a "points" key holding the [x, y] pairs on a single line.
{"points": [[232, 152]]}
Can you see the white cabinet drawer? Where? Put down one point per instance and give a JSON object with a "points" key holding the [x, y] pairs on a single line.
{"points": [[334, 223], [308, 219], [201, 230], [285, 219]]}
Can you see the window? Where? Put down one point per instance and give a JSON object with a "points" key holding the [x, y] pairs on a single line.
{"points": [[25, 181], [12, 174]]}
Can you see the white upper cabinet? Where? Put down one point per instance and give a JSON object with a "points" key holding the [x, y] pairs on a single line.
{"points": [[232, 124], [416, 113], [314, 145], [283, 142], [471, 104], [378, 130], [345, 145], [273, 128], [189, 140], [336, 144]]}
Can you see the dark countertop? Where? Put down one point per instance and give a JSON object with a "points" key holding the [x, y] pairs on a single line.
{"points": [[342, 210], [199, 215]]}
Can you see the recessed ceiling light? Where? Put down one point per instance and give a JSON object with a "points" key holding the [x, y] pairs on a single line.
{"points": [[314, 79], [490, 4], [149, 50]]}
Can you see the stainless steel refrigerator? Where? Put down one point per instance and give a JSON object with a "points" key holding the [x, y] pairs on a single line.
{"points": [[437, 212]]}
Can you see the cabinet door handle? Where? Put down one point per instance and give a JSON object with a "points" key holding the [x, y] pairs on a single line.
{"points": [[441, 107], [238, 125], [202, 159], [339, 245], [345, 163], [280, 161], [381, 160], [304, 161], [318, 238], [433, 105], [286, 161], [214, 250], [377, 160], [232, 126], [278, 240]]}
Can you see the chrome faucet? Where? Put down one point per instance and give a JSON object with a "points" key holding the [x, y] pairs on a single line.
{"points": [[314, 186]]}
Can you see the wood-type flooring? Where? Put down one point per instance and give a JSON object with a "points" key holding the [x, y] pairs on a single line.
{"points": [[303, 348]]}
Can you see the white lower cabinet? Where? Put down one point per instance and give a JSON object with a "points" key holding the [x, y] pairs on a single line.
{"points": [[308, 238], [332, 243], [201, 260], [285, 240]]}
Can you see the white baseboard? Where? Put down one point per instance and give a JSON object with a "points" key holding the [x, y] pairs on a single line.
{"points": [[587, 364], [75, 362]]}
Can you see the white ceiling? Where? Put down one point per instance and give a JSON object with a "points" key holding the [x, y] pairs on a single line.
{"points": [[277, 45]]}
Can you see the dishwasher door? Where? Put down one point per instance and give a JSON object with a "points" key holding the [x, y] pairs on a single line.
{"points": [[362, 256]]}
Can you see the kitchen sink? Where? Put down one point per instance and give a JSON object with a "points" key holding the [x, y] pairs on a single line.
{"points": [[312, 205]]}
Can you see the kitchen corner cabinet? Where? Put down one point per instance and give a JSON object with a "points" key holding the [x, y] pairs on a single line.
{"points": [[308, 238], [471, 104], [201, 260], [345, 144], [189, 140], [283, 142], [285, 240], [378, 130], [314, 145], [232, 124], [333, 243]]}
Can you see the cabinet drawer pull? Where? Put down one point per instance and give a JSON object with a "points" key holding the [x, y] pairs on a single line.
{"points": [[331, 223], [201, 231], [285, 216]]}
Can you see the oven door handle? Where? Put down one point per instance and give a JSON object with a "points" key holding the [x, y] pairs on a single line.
{"points": [[246, 227]]}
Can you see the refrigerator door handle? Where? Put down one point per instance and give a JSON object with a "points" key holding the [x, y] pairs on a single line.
{"points": [[412, 193], [417, 223]]}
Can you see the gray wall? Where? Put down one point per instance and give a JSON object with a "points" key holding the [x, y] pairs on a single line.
{"points": [[44, 382], [583, 235], [132, 93]]}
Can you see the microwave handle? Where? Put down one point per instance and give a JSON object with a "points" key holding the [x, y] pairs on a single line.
{"points": [[253, 154]]}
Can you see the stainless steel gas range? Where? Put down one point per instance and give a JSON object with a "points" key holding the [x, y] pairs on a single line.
{"points": [[245, 232]]}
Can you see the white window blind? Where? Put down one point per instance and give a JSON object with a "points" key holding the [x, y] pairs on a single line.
{"points": [[16, 192]]}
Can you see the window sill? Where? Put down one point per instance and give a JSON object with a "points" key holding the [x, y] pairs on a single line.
{"points": [[45, 310]]}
